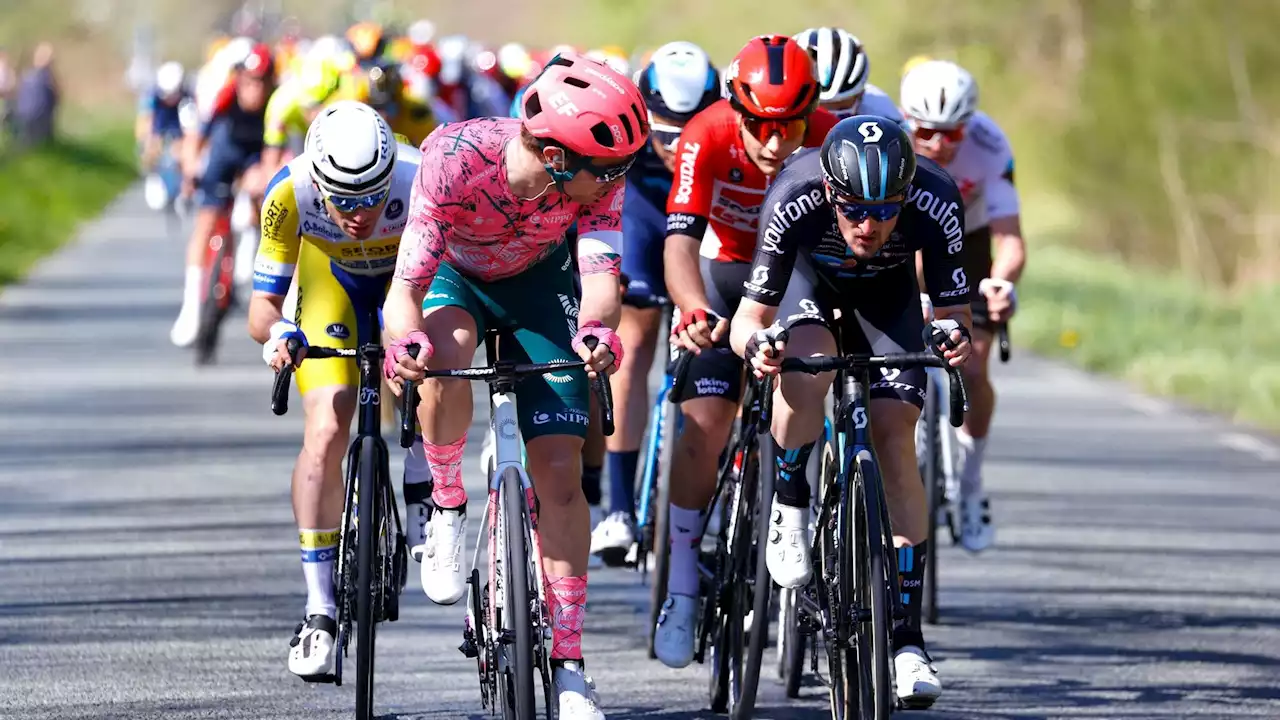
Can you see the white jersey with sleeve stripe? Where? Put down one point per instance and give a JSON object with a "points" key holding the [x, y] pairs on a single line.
{"points": [[983, 169]]}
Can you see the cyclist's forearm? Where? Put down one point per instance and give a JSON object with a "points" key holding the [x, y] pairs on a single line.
{"points": [[1010, 249], [265, 310], [960, 313], [601, 300], [402, 311], [751, 317], [683, 275]]}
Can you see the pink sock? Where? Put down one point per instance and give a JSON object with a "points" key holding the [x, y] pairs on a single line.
{"points": [[567, 603], [445, 462]]}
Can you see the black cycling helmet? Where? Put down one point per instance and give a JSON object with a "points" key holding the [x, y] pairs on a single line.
{"points": [[868, 157]]}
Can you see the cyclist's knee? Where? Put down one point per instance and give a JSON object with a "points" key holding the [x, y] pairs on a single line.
{"points": [[975, 370], [327, 426], [707, 423], [452, 331], [798, 391], [556, 466]]}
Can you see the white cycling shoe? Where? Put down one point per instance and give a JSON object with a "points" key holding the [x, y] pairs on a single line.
{"points": [[787, 549], [443, 575], [977, 531], [186, 327], [576, 693], [311, 649], [612, 539], [917, 680], [673, 637]]}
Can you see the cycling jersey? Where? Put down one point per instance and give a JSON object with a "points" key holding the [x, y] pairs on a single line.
{"points": [[874, 102], [342, 282], [983, 169], [718, 189], [286, 114], [411, 119], [293, 213], [798, 221], [463, 211], [246, 127], [166, 118]]}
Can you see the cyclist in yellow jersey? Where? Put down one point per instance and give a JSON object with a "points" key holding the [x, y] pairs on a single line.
{"points": [[383, 89], [333, 218], [293, 106]]}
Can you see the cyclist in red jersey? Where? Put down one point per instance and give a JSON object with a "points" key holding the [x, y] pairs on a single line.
{"points": [[724, 160]]}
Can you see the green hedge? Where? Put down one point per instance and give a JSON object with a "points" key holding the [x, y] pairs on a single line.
{"points": [[47, 192], [1165, 334]]}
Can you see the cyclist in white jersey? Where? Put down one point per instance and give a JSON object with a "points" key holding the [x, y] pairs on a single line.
{"points": [[843, 69], [940, 103]]}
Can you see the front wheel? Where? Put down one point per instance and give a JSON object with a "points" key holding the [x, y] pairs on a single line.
{"points": [[516, 573], [935, 487], [367, 572], [872, 591], [216, 298], [661, 512]]}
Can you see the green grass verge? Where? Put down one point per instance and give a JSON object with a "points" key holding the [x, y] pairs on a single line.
{"points": [[1162, 333], [46, 193]]}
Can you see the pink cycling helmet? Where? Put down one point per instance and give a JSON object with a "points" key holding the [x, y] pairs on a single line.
{"points": [[586, 107]]}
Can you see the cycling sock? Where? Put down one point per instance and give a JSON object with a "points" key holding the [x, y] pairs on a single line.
{"points": [[622, 481], [445, 464], [567, 605], [971, 451], [591, 483], [792, 487], [319, 548], [191, 287], [417, 473], [686, 524], [911, 561]]}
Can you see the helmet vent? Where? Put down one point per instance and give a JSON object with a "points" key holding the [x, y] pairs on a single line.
{"points": [[601, 133], [577, 82]]}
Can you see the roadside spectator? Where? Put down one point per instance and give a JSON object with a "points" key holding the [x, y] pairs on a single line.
{"points": [[36, 102]]}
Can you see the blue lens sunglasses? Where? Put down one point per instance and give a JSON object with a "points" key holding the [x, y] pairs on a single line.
{"points": [[347, 204]]}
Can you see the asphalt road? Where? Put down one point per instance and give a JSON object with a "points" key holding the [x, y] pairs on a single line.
{"points": [[149, 565]]}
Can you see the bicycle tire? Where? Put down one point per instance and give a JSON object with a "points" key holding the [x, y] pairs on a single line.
{"points": [[661, 509], [718, 607], [874, 649], [935, 487], [367, 511], [520, 654], [212, 308], [760, 584]]}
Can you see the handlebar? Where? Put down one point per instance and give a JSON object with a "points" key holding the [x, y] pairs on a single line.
{"points": [[1002, 337], [831, 363], [280, 389]]}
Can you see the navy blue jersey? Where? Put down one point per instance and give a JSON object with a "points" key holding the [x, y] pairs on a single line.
{"points": [[796, 219]]}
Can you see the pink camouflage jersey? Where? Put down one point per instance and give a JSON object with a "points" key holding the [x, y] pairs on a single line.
{"points": [[462, 211]]}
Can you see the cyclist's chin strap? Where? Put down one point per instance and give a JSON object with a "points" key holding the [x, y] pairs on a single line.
{"points": [[558, 177]]}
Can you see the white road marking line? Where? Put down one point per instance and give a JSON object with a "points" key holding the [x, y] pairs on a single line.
{"points": [[1251, 445]]}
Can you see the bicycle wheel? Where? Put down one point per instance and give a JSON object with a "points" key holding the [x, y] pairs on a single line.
{"points": [[722, 613], [367, 572], [935, 487], [216, 298], [755, 583], [875, 617], [836, 593], [516, 572], [660, 509]]}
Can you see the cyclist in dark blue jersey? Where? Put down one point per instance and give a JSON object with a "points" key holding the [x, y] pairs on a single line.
{"points": [[839, 231], [678, 82]]}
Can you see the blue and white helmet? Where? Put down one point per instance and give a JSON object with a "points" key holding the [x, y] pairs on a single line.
{"points": [[679, 81], [841, 62]]}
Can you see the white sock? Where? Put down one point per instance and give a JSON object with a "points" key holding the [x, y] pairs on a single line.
{"points": [[416, 470], [191, 290], [319, 549], [683, 576], [971, 452]]}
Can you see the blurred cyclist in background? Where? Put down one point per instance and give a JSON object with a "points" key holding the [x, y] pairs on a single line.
{"points": [[677, 84], [368, 41], [233, 138], [383, 89], [160, 122], [292, 108], [843, 69]]}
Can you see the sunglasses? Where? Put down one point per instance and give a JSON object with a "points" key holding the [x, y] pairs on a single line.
{"points": [[666, 135], [951, 135], [857, 212], [348, 204], [605, 173], [762, 130]]}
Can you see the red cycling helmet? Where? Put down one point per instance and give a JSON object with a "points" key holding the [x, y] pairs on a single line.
{"points": [[586, 107], [259, 63], [773, 78]]}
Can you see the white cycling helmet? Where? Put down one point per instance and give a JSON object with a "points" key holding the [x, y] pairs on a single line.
{"points": [[421, 32], [352, 150], [841, 62], [938, 94], [679, 81], [169, 78]]}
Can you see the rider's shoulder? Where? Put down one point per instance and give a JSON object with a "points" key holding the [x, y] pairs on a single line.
{"points": [[281, 188], [716, 124], [987, 134]]}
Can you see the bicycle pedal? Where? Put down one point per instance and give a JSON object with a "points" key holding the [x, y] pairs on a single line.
{"points": [[325, 679], [469, 648]]}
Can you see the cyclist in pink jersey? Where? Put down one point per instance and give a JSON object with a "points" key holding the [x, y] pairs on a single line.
{"points": [[485, 248]]}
